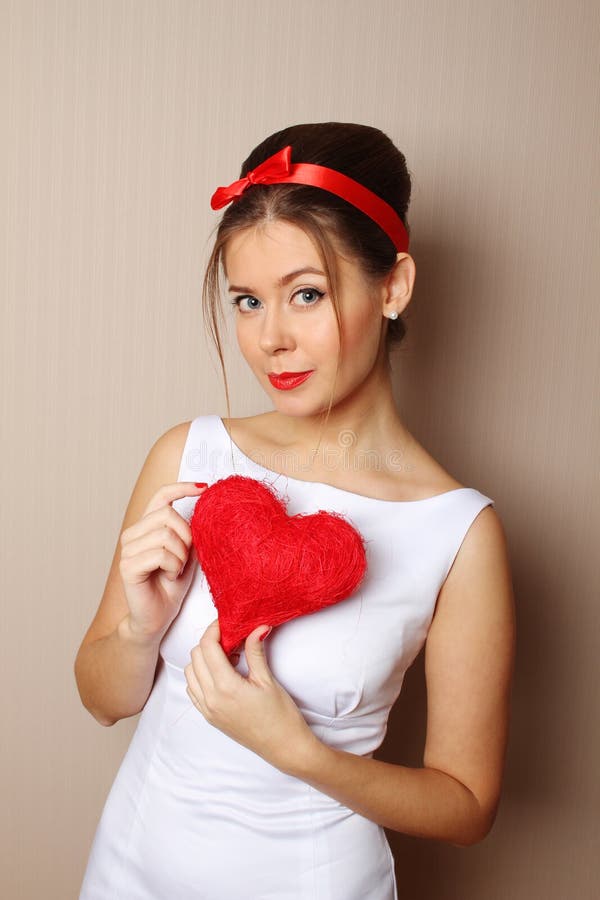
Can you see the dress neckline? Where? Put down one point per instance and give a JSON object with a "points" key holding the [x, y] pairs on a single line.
{"points": [[331, 487]]}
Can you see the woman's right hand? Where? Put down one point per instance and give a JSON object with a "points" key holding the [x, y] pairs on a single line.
{"points": [[156, 565]]}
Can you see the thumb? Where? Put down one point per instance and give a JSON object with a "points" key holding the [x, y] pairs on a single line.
{"points": [[255, 651]]}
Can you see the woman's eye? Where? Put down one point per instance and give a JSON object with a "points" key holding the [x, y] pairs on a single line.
{"points": [[252, 303], [306, 296], [309, 296]]}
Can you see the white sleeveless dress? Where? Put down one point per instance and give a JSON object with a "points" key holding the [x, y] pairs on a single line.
{"points": [[192, 814]]}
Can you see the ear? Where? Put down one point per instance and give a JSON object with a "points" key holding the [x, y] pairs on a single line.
{"points": [[399, 285]]}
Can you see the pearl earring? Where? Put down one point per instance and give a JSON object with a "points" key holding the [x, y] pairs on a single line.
{"points": [[392, 315]]}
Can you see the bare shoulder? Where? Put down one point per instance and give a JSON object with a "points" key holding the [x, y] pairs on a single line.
{"points": [[162, 463], [170, 445], [469, 662], [480, 575], [483, 552]]}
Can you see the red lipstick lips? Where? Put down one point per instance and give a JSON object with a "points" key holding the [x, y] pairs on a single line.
{"points": [[288, 380]]}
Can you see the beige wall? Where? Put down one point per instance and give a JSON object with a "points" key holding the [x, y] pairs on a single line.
{"points": [[120, 117]]}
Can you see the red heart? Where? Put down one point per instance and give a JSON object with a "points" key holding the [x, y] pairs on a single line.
{"points": [[264, 567]]}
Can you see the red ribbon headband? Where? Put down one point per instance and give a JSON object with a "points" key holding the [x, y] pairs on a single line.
{"points": [[278, 169]]}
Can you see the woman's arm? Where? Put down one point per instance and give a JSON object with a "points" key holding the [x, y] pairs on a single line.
{"points": [[469, 661], [115, 673], [469, 664], [115, 666]]}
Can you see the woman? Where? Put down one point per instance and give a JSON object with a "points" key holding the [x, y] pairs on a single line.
{"points": [[254, 773]]}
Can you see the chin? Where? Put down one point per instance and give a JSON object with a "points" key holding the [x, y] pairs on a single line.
{"points": [[295, 404]]}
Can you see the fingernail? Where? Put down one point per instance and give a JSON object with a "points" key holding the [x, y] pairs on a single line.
{"points": [[268, 631], [201, 483]]}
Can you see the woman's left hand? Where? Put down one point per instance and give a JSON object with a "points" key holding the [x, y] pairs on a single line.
{"points": [[255, 710]]}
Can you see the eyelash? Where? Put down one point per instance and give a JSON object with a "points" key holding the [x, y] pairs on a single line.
{"points": [[320, 294]]}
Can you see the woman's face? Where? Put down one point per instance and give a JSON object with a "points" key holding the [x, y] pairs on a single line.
{"points": [[285, 319]]}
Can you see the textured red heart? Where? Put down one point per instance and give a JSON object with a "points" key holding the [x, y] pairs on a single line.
{"points": [[265, 567]]}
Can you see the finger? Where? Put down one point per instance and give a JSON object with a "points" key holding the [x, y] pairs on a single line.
{"points": [[255, 651], [200, 668], [161, 536], [197, 700], [179, 546], [136, 569], [190, 563], [196, 684], [160, 539], [158, 518], [234, 656], [213, 654], [169, 492]]}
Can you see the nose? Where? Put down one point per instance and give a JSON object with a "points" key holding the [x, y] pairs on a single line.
{"points": [[275, 333]]}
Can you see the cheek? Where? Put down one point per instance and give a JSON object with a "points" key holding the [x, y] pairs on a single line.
{"points": [[247, 342], [361, 334], [323, 333]]}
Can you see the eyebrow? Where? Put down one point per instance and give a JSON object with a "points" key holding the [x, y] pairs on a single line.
{"points": [[285, 279]]}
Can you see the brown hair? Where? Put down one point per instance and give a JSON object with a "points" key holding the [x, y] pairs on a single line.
{"points": [[363, 153]]}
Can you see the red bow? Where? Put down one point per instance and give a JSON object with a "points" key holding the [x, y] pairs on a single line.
{"points": [[278, 169], [271, 171]]}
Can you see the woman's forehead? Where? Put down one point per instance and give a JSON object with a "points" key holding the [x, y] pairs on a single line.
{"points": [[274, 240], [274, 249]]}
